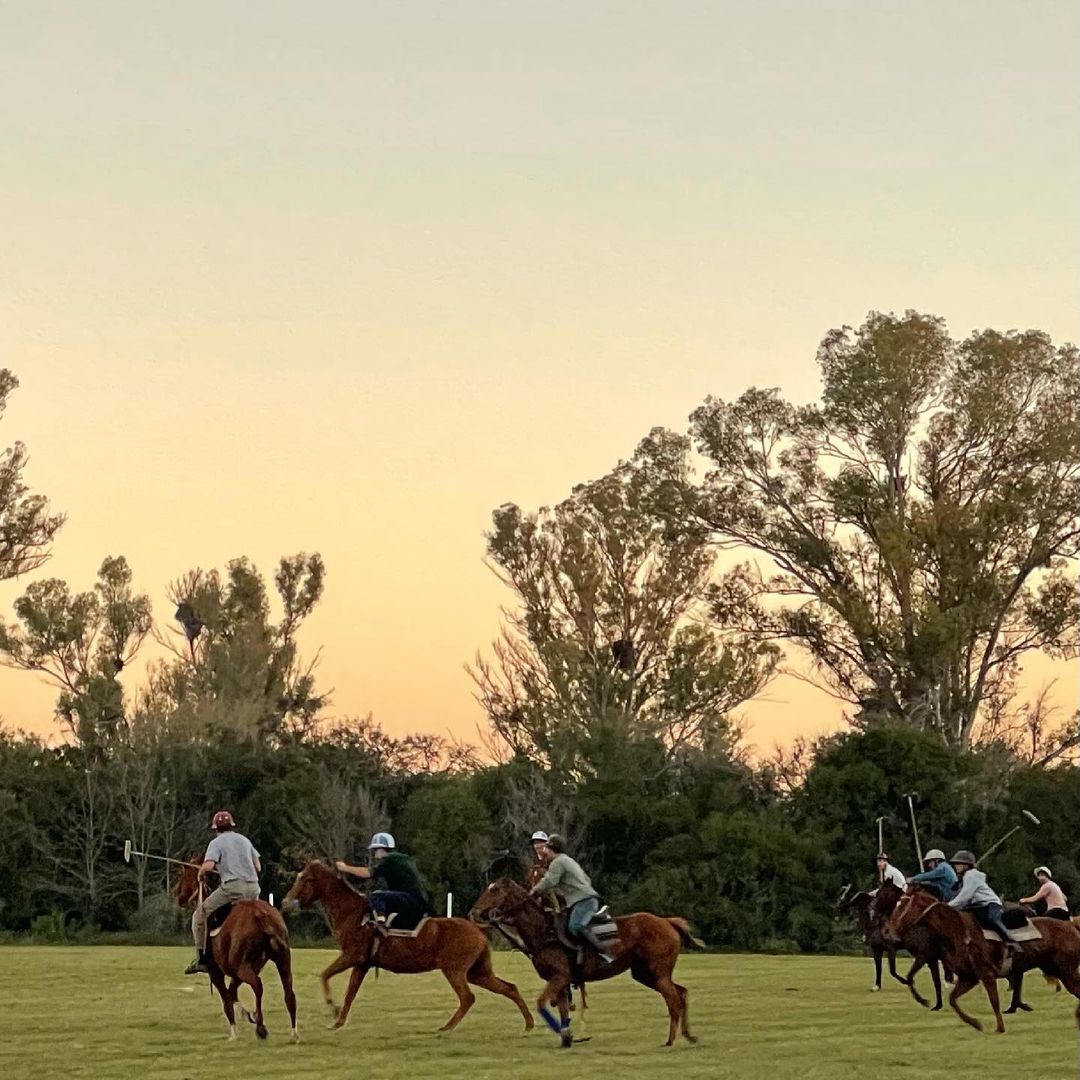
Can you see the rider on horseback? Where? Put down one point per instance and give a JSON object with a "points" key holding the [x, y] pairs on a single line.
{"points": [[1049, 896], [938, 878], [404, 893], [978, 898], [581, 898], [234, 858]]}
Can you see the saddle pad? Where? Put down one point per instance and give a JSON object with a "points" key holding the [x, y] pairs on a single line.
{"points": [[1023, 933], [411, 933]]}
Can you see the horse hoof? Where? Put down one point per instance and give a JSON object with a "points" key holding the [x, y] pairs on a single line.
{"points": [[566, 1040], [875, 989], [294, 1037], [261, 1032], [1025, 1007], [936, 1008]]}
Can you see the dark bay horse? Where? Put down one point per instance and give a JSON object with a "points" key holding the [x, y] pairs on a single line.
{"points": [[957, 939], [648, 947], [455, 947], [253, 933], [871, 914]]}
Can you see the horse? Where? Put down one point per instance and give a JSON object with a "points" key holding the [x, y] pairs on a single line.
{"points": [[648, 947], [455, 947], [957, 938], [252, 933], [871, 913]]}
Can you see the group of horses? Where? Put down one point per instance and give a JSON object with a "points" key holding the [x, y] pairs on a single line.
{"points": [[253, 934], [952, 942]]}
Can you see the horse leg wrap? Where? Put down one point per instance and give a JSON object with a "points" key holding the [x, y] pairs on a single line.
{"points": [[550, 1019]]}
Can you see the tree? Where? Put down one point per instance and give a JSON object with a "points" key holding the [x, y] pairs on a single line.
{"points": [[236, 666], [608, 636], [918, 526], [81, 643], [26, 526]]}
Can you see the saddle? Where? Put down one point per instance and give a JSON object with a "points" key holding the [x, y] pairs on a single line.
{"points": [[1016, 921], [390, 927], [601, 924], [216, 919]]}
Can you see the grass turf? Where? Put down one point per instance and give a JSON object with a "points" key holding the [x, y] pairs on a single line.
{"points": [[113, 1013]]}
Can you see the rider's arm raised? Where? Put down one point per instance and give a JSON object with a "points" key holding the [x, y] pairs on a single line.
{"points": [[356, 871]]}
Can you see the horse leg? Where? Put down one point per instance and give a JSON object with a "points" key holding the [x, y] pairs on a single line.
{"points": [[935, 974], [962, 986], [283, 963], [879, 951], [990, 985], [915, 969], [892, 966], [1016, 1004], [483, 975], [554, 993], [1071, 981], [355, 979], [663, 985], [342, 963], [466, 997], [684, 995], [249, 975], [227, 996]]}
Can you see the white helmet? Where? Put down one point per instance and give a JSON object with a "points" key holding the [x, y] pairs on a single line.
{"points": [[539, 835], [382, 840], [1043, 870], [934, 853]]}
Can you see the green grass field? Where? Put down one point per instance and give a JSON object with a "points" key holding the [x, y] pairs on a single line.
{"points": [[127, 1012]]}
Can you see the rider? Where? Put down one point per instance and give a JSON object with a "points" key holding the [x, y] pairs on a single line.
{"points": [[542, 854], [234, 858], [938, 878], [581, 898], [888, 872], [403, 889], [1050, 894], [978, 898]]}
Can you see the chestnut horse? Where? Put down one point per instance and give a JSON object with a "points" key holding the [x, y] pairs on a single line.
{"points": [[252, 933], [648, 946], [957, 939], [453, 946]]}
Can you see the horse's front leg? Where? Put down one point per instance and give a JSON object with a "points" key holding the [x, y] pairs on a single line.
{"points": [[879, 951], [355, 980], [228, 998], [342, 963]]}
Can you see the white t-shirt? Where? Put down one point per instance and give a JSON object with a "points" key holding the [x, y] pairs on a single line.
{"points": [[894, 875]]}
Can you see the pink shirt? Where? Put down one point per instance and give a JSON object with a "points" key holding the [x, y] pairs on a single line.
{"points": [[1052, 894]]}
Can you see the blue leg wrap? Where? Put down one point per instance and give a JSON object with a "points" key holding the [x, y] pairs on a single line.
{"points": [[550, 1019]]}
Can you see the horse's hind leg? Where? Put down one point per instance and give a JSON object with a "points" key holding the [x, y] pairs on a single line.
{"points": [[1071, 981], [228, 999], [663, 985], [457, 979], [283, 963], [483, 975], [685, 996], [935, 975], [1016, 985], [249, 975]]}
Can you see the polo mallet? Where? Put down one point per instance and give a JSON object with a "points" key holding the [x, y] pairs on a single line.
{"points": [[1015, 829], [911, 796], [881, 843], [129, 851]]}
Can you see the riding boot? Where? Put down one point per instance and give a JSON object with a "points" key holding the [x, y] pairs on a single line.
{"points": [[199, 965]]}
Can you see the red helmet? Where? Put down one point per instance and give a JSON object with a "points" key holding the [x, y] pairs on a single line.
{"points": [[223, 820]]}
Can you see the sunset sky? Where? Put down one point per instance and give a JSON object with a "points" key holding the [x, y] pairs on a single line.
{"points": [[343, 277]]}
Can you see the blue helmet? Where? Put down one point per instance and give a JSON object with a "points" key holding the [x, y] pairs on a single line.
{"points": [[382, 840]]}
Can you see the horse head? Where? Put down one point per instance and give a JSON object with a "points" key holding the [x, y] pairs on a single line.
{"points": [[906, 912], [186, 889], [501, 898], [311, 885]]}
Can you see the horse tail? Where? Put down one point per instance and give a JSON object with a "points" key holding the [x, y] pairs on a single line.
{"points": [[273, 926], [682, 927]]}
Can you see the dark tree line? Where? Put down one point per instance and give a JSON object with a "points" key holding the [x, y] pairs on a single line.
{"points": [[912, 536]]}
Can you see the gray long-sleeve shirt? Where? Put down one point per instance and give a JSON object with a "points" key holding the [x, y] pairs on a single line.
{"points": [[565, 875], [974, 892]]}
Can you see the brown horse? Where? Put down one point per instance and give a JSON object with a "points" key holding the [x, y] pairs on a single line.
{"points": [[871, 914], [957, 939], [252, 933], [648, 947], [453, 946]]}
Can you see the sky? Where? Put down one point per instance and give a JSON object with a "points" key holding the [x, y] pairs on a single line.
{"points": [[344, 277]]}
